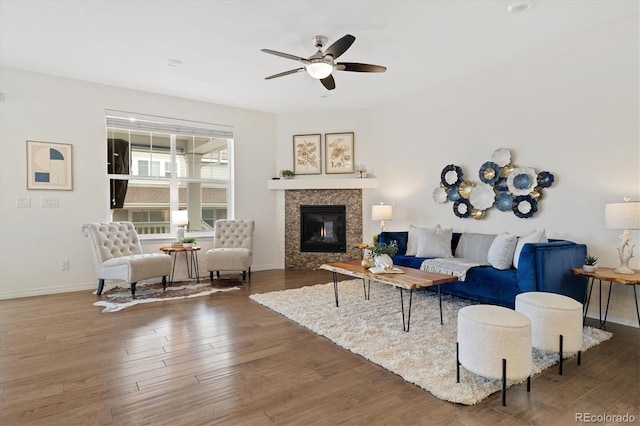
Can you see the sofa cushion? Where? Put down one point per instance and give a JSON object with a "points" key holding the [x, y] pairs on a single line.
{"points": [[474, 247], [500, 254], [486, 284], [532, 237], [412, 241], [434, 242], [408, 261], [401, 237]]}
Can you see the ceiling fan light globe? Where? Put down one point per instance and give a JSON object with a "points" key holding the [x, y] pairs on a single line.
{"points": [[319, 70]]}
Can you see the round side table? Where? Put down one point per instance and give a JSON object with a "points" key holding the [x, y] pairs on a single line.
{"points": [[190, 256]]}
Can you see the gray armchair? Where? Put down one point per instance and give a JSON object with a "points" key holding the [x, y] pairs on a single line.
{"points": [[232, 247], [118, 255]]}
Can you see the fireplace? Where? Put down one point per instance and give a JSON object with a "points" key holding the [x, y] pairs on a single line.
{"points": [[323, 229], [294, 198]]}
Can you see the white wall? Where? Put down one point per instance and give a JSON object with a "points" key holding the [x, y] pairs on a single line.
{"points": [[46, 108], [322, 123], [571, 109]]}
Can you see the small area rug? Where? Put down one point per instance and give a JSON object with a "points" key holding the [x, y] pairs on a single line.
{"points": [[118, 298], [425, 356]]}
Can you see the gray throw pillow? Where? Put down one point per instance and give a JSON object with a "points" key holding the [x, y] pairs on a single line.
{"points": [[412, 240], [474, 247], [434, 242]]}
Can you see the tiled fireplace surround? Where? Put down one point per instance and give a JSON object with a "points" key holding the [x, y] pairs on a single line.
{"points": [[350, 198]]}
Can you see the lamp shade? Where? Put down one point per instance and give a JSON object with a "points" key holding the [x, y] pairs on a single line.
{"points": [[180, 217], [622, 215], [382, 212]]}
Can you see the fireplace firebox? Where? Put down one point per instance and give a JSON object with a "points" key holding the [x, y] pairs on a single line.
{"points": [[323, 229]]}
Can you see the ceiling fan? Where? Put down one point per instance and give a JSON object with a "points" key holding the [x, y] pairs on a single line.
{"points": [[321, 64]]}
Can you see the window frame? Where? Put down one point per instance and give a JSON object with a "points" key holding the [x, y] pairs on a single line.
{"points": [[175, 128]]}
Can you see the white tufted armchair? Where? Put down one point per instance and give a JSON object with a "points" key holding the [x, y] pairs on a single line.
{"points": [[232, 247], [117, 254]]}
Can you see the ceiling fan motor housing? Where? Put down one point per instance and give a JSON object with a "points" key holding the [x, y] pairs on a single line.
{"points": [[319, 41]]}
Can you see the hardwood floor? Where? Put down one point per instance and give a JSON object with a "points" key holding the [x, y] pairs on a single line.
{"points": [[225, 359]]}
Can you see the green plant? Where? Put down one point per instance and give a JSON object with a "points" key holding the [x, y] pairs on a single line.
{"points": [[286, 173], [590, 259], [189, 240], [389, 248]]}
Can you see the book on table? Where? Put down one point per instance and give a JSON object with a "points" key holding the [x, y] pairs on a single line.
{"points": [[383, 270]]}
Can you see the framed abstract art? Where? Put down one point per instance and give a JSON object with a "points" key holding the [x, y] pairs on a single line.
{"points": [[49, 166]]}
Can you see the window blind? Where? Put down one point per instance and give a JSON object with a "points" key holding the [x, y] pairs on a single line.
{"points": [[147, 123]]}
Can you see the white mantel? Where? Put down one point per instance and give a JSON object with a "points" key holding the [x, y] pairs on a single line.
{"points": [[322, 183]]}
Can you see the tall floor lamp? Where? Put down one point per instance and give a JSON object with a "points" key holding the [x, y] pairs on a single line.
{"points": [[382, 212], [623, 216]]}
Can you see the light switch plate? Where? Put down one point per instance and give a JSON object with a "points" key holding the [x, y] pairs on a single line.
{"points": [[50, 202], [23, 202]]}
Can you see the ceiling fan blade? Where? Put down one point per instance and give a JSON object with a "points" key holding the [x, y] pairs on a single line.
{"points": [[329, 82], [286, 55], [282, 74], [356, 67], [340, 46]]}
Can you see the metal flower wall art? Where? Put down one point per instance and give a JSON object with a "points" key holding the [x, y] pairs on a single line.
{"points": [[508, 188]]}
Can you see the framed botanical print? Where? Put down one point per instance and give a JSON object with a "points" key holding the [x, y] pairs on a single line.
{"points": [[339, 152], [49, 166], [307, 157]]}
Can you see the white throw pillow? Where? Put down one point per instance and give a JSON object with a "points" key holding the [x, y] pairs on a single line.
{"points": [[434, 242], [532, 237], [412, 239], [500, 254]]}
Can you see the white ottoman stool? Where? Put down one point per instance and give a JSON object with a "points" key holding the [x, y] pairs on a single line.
{"points": [[556, 322], [494, 342]]}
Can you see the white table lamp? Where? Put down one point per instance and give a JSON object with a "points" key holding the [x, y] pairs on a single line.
{"points": [[382, 212], [180, 218], [623, 216]]}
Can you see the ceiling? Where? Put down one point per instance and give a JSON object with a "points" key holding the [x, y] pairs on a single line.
{"points": [[422, 43]]}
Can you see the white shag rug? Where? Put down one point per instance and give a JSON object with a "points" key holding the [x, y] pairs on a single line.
{"points": [[425, 356]]}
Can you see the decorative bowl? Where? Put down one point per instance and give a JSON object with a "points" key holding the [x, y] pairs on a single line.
{"points": [[482, 196], [451, 176], [504, 201], [522, 180], [489, 172], [440, 195], [501, 156], [545, 179], [453, 194]]}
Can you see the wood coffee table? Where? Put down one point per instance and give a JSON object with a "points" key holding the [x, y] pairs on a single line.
{"points": [[411, 279]]}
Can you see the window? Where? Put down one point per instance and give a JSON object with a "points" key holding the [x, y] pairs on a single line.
{"points": [[156, 165]]}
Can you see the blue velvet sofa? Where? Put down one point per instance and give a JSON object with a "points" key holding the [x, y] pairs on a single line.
{"points": [[541, 267]]}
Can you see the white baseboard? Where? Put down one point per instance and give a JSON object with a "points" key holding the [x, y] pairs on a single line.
{"points": [[631, 322], [43, 291], [267, 267]]}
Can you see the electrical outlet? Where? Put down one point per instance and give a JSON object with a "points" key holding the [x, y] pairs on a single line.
{"points": [[23, 202], [64, 265], [50, 202]]}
